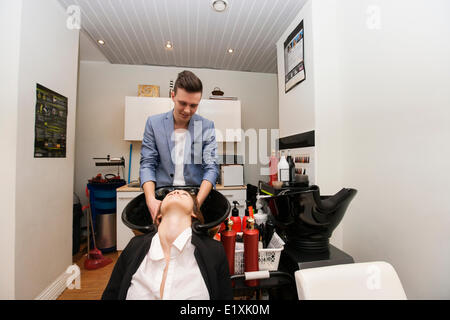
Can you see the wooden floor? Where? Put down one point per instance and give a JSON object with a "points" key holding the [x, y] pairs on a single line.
{"points": [[93, 282]]}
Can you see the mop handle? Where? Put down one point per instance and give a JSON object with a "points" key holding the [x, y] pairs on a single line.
{"points": [[87, 230], [92, 228]]}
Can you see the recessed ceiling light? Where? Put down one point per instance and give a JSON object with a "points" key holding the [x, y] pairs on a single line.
{"points": [[219, 5], [169, 45], [101, 42], [230, 50]]}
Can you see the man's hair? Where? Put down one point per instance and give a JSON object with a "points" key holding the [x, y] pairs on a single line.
{"points": [[188, 81]]}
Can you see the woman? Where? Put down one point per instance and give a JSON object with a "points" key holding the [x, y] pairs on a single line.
{"points": [[173, 262]]}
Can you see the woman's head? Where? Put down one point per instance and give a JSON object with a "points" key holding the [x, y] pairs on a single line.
{"points": [[180, 202]]}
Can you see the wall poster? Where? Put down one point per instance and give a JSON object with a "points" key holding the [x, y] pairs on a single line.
{"points": [[50, 127], [294, 67]]}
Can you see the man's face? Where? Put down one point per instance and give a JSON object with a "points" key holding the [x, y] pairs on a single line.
{"points": [[186, 104]]}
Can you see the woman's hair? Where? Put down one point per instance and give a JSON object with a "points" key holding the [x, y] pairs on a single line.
{"points": [[195, 209]]}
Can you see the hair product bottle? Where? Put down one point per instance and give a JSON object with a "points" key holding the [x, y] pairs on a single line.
{"points": [[228, 238], [291, 163], [251, 237], [247, 215], [273, 168], [235, 218], [283, 169]]}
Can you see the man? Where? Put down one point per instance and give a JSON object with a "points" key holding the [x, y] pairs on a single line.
{"points": [[179, 147]]}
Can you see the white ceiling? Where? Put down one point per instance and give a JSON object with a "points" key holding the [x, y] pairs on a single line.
{"points": [[89, 50], [135, 31]]}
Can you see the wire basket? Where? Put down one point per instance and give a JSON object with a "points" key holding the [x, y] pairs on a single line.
{"points": [[269, 259]]}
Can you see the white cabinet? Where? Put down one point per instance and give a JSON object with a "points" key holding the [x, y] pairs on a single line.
{"points": [[124, 234], [225, 114], [137, 110]]}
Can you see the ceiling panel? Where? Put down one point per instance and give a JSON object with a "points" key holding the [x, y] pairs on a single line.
{"points": [[135, 31]]}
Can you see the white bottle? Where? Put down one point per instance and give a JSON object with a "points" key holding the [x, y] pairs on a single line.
{"points": [[283, 169]]}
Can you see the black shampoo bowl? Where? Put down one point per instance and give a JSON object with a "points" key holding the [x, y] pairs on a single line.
{"points": [[308, 219], [215, 210]]}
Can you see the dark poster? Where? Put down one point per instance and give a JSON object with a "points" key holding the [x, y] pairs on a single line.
{"points": [[50, 127], [294, 65]]}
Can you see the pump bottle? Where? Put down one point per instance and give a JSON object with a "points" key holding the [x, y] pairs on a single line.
{"points": [[237, 226], [283, 169]]}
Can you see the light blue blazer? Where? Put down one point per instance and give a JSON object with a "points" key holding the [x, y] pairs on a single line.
{"points": [[200, 152]]}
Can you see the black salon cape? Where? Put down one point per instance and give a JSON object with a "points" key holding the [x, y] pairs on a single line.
{"points": [[209, 253]]}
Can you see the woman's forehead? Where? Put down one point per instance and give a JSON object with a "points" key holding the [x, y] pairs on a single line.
{"points": [[179, 190]]}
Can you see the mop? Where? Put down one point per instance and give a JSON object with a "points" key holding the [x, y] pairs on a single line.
{"points": [[95, 258]]}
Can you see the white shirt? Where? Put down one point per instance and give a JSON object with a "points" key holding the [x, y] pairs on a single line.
{"points": [[184, 280], [180, 141]]}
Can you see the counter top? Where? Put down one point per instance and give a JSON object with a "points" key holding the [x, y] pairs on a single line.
{"points": [[126, 188]]}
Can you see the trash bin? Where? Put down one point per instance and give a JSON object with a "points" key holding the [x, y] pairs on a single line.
{"points": [[102, 198], [106, 232]]}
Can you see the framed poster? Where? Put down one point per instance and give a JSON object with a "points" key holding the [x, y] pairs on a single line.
{"points": [[50, 128], [294, 65]]}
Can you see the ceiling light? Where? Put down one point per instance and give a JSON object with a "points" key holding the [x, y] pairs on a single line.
{"points": [[219, 5], [169, 45], [230, 50], [101, 42]]}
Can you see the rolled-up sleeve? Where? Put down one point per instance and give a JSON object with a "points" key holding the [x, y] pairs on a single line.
{"points": [[210, 163], [149, 155]]}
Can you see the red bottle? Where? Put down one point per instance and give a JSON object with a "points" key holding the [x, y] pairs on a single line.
{"points": [[273, 168], [251, 237], [235, 218], [228, 238]]}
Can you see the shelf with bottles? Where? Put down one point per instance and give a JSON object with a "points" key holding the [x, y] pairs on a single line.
{"points": [[302, 158], [300, 171]]}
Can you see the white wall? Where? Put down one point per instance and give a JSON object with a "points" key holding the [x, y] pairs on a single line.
{"points": [[396, 115], [296, 108], [44, 187], [100, 113], [306, 107], [381, 111], [10, 21]]}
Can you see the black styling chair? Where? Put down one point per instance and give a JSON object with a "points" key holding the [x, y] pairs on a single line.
{"points": [[306, 219], [215, 210]]}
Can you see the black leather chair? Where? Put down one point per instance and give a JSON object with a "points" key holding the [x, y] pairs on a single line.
{"points": [[308, 219]]}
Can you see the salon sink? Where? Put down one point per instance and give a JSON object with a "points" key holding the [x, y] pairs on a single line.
{"points": [[215, 210]]}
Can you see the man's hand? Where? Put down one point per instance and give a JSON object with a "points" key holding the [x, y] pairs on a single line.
{"points": [[203, 192], [153, 205]]}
